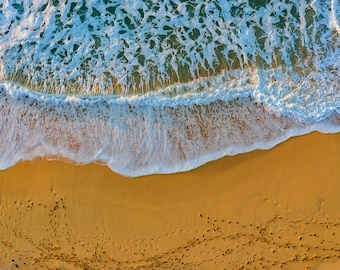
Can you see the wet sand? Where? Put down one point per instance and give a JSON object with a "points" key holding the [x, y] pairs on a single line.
{"points": [[265, 209]]}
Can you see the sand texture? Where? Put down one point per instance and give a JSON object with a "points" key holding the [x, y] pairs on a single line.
{"points": [[276, 209]]}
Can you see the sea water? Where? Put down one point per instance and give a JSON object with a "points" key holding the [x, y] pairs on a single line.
{"points": [[148, 86]]}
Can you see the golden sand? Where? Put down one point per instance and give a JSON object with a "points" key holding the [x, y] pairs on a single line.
{"points": [[266, 209]]}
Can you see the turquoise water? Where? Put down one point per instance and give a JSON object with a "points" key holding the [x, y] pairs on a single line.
{"points": [[164, 86]]}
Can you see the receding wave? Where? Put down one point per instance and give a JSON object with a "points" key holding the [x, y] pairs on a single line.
{"points": [[164, 86], [139, 136]]}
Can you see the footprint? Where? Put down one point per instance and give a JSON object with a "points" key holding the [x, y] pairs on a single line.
{"points": [[12, 265]]}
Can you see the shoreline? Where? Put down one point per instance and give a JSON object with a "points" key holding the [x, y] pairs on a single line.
{"points": [[260, 209], [142, 140]]}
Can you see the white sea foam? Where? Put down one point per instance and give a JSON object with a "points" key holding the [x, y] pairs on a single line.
{"points": [[101, 46], [136, 137], [164, 86]]}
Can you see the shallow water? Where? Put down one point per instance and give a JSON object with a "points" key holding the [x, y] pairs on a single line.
{"points": [[160, 87]]}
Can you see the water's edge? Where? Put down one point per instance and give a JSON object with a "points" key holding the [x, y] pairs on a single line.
{"points": [[140, 136]]}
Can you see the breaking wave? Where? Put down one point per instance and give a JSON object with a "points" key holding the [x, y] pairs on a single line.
{"points": [[164, 86]]}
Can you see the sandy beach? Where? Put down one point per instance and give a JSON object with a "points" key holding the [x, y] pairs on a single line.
{"points": [[276, 209]]}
